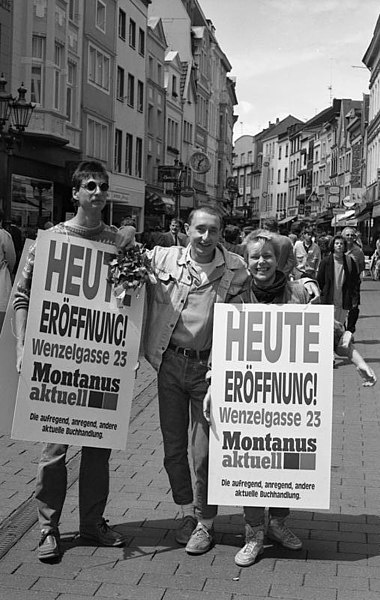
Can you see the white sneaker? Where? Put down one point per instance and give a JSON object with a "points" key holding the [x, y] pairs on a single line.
{"points": [[254, 545]]}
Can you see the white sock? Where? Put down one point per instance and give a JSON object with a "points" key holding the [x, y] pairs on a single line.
{"points": [[187, 510], [208, 523]]}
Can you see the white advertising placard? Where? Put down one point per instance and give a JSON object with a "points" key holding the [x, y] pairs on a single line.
{"points": [[81, 348], [271, 412]]}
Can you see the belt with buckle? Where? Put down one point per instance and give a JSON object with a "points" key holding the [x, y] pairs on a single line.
{"points": [[190, 353]]}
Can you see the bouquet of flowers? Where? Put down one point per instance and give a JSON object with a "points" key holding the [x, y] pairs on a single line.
{"points": [[129, 270]]}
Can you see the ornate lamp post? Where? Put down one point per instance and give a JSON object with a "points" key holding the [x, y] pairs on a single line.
{"points": [[15, 115]]}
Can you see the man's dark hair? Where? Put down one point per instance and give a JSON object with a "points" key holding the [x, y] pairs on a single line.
{"points": [[87, 169], [208, 210], [128, 221], [271, 224], [232, 234], [338, 236]]}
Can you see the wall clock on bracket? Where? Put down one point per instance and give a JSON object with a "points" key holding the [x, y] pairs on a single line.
{"points": [[199, 162]]}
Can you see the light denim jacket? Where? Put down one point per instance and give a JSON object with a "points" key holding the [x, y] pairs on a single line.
{"points": [[166, 298]]}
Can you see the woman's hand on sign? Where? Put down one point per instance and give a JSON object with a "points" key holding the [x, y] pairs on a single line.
{"points": [[207, 405], [312, 289], [21, 316], [19, 356]]}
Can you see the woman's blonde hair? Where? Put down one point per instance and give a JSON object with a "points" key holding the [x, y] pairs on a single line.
{"points": [[262, 237]]}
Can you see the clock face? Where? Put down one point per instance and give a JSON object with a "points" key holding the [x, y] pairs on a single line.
{"points": [[200, 162]]}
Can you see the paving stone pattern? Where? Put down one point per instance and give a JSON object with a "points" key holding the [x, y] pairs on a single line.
{"points": [[340, 559]]}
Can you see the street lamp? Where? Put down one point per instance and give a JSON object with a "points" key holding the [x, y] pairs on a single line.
{"points": [[16, 113], [177, 186]]}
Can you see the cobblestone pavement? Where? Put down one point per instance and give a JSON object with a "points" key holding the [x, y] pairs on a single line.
{"points": [[340, 559]]}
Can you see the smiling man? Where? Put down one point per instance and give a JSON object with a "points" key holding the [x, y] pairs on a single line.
{"points": [[178, 337]]}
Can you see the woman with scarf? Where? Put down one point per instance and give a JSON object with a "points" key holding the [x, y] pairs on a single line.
{"points": [[270, 286]]}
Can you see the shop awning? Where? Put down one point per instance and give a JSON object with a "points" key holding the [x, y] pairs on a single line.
{"points": [[376, 211], [323, 217], [158, 204], [286, 220], [344, 219], [168, 201]]}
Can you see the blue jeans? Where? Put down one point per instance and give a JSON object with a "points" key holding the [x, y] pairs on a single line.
{"points": [[255, 515], [181, 389], [51, 485]]}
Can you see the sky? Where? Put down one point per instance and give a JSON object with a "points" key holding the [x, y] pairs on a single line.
{"points": [[292, 56]]}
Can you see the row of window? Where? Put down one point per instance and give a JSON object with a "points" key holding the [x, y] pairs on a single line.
{"points": [[132, 32], [100, 22], [130, 95], [99, 75], [281, 202], [128, 158], [247, 178]]}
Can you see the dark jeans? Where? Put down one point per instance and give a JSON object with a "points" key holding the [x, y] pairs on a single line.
{"points": [[51, 485], [181, 389], [255, 515], [353, 315]]}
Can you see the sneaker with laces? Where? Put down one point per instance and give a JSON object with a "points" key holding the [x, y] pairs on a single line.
{"points": [[254, 545], [185, 529], [103, 535], [48, 547], [279, 532], [201, 540]]}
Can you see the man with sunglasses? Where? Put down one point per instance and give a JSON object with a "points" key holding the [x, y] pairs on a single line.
{"points": [[89, 194]]}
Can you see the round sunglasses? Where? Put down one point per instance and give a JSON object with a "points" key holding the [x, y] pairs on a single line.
{"points": [[91, 186]]}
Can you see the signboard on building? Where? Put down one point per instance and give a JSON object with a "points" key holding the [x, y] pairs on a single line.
{"points": [[356, 152], [168, 174], [334, 199], [334, 189]]}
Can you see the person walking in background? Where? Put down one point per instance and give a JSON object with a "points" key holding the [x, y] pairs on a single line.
{"points": [[324, 245], [7, 264], [357, 254], [232, 234], [375, 262], [17, 238], [89, 192], [286, 259], [173, 237], [338, 279], [307, 255]]}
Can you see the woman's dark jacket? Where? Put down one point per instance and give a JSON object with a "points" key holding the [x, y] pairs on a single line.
{"points": [[350, 288]]}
